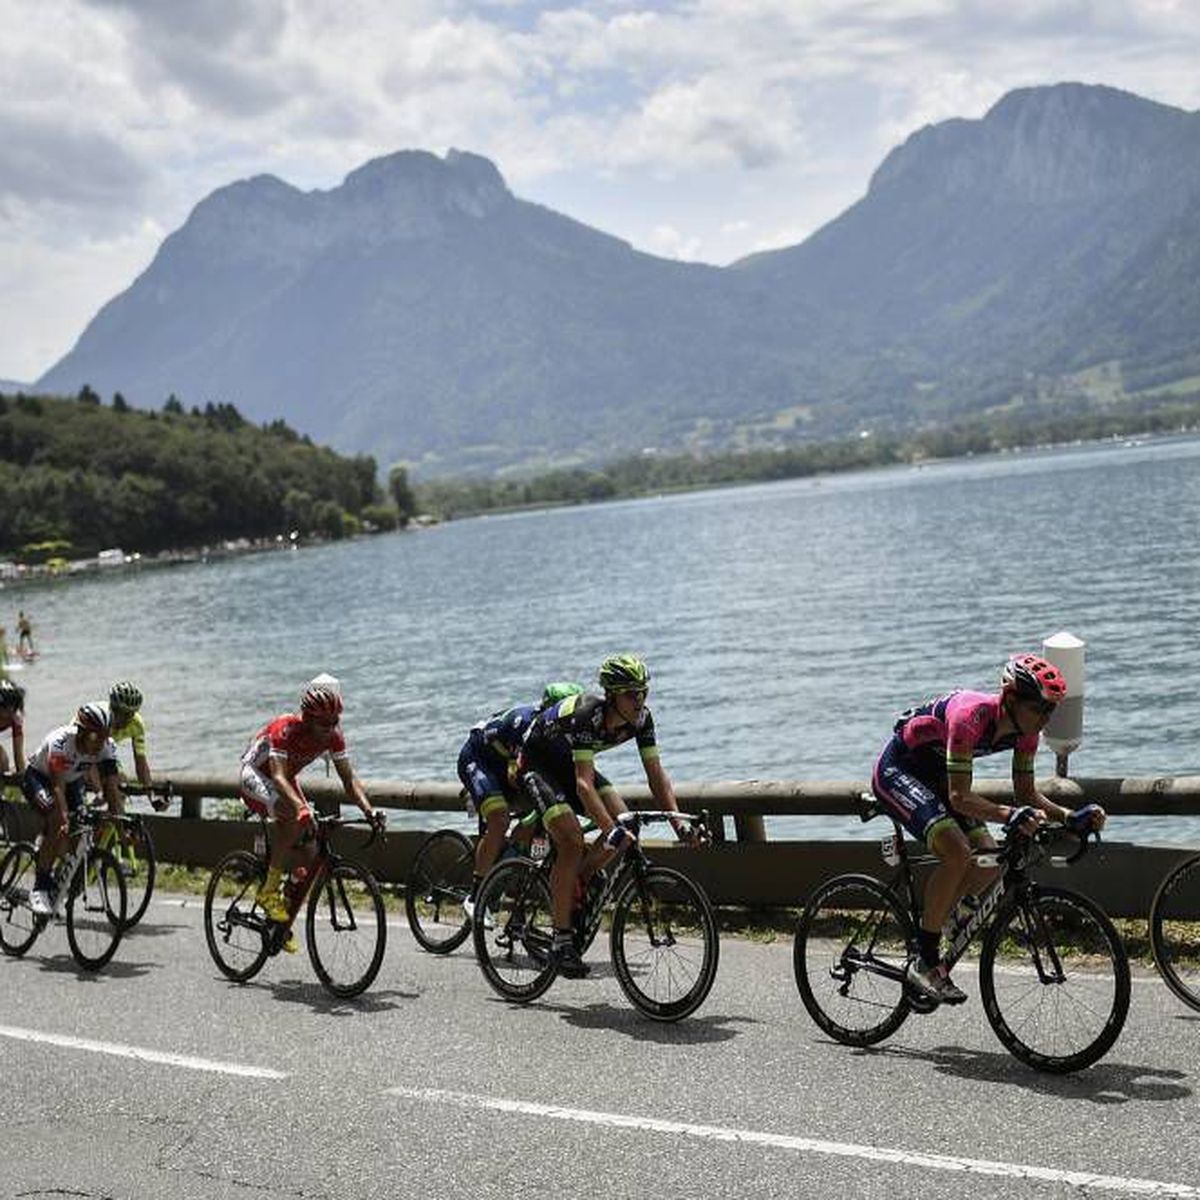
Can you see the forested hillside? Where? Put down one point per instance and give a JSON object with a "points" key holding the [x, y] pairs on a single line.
{"points": [[89, 475]]}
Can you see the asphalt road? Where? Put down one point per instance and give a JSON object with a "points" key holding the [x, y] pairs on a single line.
{"points": [[158, 1078]]}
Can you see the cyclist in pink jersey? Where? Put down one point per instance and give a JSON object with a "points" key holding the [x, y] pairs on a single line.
{"points": [[274, 758], [924, 778]]}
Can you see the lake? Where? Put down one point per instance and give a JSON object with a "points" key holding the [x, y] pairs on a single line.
{"points": [[784, 623]]}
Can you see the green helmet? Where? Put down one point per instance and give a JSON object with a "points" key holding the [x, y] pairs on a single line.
{"points": [[125, 695], [554, 692], [624, 673]]}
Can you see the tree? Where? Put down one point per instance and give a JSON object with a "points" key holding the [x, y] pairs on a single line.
{"points": [[406, 504], [172, 405], [87, 395], [119, 404]]}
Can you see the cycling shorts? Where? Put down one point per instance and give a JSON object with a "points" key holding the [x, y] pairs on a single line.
{"points": [[259, 793], [484, 774], [39, 791], [921, 804], [551, 799]]}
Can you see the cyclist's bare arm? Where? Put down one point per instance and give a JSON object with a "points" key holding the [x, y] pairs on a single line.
{"points": [[593, 805], [354, 788], [110, 789], [141, 768], [18, 740], [279, 777]]}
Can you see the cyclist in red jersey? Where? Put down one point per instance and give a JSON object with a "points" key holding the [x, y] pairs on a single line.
{"points": [[924, 778], [276, 755]]}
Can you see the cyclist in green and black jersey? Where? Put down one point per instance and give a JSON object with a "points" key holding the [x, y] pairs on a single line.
{"points": [[557, 771]]}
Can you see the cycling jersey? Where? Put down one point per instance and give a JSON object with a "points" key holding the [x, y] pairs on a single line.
{"points": [[503, 732], [488, 754], [289, 740], [934, 741], [947, 734], [60, 755], [569, 732], [133, 731]]}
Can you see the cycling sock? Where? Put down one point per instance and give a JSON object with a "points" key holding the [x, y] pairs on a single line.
{"points": [[476, 880], [273, 881], [929, 942], [43, 881]]}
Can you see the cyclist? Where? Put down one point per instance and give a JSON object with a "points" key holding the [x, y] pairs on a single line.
{"points": [[277, 753], [53, 784], [924, 777], [124, 706], [12, 704], [557, 772], [487, 767]]}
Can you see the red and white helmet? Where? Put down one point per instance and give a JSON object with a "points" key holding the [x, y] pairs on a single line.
{"points": [[320, 700], [1033, 678]]}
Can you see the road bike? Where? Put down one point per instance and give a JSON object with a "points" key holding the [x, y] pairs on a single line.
{"points": [[345, 928], [442, 874], [662, 938], [89, 890], [1175, 930], [1053, 971], [127, 837]]}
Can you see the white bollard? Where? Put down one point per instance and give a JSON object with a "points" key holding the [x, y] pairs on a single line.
{"points": [[1064, 730]]}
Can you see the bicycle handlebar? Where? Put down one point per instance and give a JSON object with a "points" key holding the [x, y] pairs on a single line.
{"points": [[1049, 832]]}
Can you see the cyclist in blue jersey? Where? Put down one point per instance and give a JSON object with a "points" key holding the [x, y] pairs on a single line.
{"points": [[487, 767], [924, 779], [557, 771]]}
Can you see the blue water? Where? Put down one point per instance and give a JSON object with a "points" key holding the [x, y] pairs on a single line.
{"points": [[784, 623]]}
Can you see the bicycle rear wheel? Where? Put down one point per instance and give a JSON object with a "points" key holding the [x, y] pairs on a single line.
{"points": [[136, 860], [1175, 930], [438, 882], [96, 907], [664, 944], [235, 930], [19, 927], [851, 948], [346, 929], [514, 930], [1055, 979]]}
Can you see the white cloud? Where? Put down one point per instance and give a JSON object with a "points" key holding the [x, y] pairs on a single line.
{"points": [[653, 120]]}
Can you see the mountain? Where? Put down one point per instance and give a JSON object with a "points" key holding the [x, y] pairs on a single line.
{"points": [[422, 311], [10, 387]]}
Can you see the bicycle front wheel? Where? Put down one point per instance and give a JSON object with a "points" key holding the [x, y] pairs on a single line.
{"points": [[851, 948], [236, 931], [1175, 930], [438, 882], [1055, 979], [664, 944], [96, 908], [514, 930], [346, 929], [139, 866], [18, 926]]}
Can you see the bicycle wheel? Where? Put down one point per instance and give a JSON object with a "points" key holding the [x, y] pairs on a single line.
{"points": [[852, 945], [1055, 979], [136, 860], [1175, 930], [96, 907], [18, 926], [664, 944], [438, 883], [346, 929], [513, 946], [236, 931]]}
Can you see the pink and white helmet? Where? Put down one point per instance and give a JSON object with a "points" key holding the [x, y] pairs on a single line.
{"points": [[1033, 678]]}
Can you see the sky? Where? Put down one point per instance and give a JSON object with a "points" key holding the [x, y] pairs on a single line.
{"points": [[702, 130]]}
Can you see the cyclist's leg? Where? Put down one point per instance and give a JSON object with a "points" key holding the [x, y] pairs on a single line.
{"points": [[262, 798], [39, 793], [480, 777]]}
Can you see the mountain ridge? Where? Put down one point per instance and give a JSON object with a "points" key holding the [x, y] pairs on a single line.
{"points": [[421, 310]]}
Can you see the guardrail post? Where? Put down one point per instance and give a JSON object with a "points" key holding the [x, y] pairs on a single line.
{"points": [[750, 827]]}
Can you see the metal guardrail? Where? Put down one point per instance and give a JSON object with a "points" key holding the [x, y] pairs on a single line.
{"points": [[1168, 795]]}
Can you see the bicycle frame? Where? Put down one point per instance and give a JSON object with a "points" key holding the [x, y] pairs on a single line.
{"points": [[1014, 859]]}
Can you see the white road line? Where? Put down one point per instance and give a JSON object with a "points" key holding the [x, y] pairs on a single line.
{"points": [[139, 1052], [803, 1145]]}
